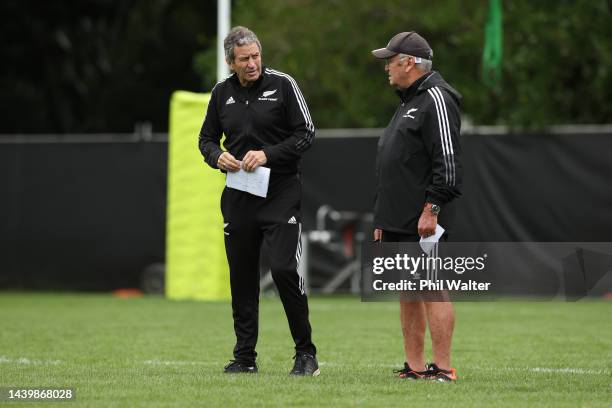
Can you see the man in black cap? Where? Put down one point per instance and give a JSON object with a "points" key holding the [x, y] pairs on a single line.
{"points": [[418, 175]]}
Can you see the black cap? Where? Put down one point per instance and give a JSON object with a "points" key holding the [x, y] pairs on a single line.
{"points": [[409, 43]]}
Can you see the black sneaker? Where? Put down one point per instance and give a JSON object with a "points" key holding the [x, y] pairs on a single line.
{"points": [[305, 365], [235, 367], [409, 374], [435, 373]]}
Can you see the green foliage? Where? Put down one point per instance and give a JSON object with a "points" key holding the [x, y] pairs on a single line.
{"points": [[102, 65], [97, 66], [556, 66], [205, 63]]}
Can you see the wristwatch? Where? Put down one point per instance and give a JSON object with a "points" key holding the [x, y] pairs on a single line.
{"points": [[435, 209]]}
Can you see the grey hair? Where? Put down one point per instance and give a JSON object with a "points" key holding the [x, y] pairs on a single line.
{"points": [[424, 65], [238, 36]]}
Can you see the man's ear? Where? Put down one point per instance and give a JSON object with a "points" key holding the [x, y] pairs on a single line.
{"points": [[409, 65]]}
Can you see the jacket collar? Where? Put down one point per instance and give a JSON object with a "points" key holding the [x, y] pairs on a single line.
{"points": [[406, 94], [430, 80]]}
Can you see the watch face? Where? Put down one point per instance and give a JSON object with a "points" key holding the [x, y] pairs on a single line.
{"points": [[435, 209]]}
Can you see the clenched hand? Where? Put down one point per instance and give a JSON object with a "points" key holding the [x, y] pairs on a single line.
{"points": [[427, 223], [253, 159], [228, 162]]}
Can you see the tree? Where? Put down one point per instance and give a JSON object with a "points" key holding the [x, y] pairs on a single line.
{"points": [[102, 65], [97, 65], [556, 67]]}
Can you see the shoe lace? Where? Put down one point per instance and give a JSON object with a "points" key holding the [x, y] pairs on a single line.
{"points": [[299, 362], [232, 363], [404, 370], [433, 369]]}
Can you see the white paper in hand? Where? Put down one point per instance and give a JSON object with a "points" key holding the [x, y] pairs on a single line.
{"points": [[255, 182], [428, 243]]}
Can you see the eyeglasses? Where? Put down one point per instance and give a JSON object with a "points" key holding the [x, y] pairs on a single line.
{"points": [[389, 60]]}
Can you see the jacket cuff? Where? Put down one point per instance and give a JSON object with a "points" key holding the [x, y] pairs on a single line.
{"points": [[216, 159], [269, 152], [433, 199]]}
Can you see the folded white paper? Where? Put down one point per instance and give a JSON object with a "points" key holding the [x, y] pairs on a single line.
{"points": [[255, 182], [428, 243]]}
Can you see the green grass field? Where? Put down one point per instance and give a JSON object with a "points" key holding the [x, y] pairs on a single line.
{"points": [[152, 352]]}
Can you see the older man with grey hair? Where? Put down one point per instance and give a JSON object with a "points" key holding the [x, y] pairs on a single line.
{"points": [[266, 122], [419, 175]]}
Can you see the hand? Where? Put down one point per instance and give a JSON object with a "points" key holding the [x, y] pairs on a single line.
{"points": [[378, 235], [427, 222], [228, 162], [253, 159]]}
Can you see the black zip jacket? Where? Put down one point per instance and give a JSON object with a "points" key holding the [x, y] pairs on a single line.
{"points": [[271, 115], [419, 157]]}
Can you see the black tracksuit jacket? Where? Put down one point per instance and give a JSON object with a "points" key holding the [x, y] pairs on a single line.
{"points": [[271, 115], [419, 157]]}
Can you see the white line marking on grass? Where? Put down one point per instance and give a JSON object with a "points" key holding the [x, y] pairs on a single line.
{"points": [[568, 370], [563, 370], [179, 363], [27, 361], [575, 370]]}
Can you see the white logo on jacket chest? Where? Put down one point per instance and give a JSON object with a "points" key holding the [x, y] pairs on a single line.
{"points": [[266, 96], [230, 100], [408, 114]]}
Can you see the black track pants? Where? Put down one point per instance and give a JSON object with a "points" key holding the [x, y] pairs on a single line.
{"points": [[249, 222]]}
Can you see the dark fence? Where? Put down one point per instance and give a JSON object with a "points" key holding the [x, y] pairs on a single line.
{"points": [[80, 215], [517, 187], [88, 212]]}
